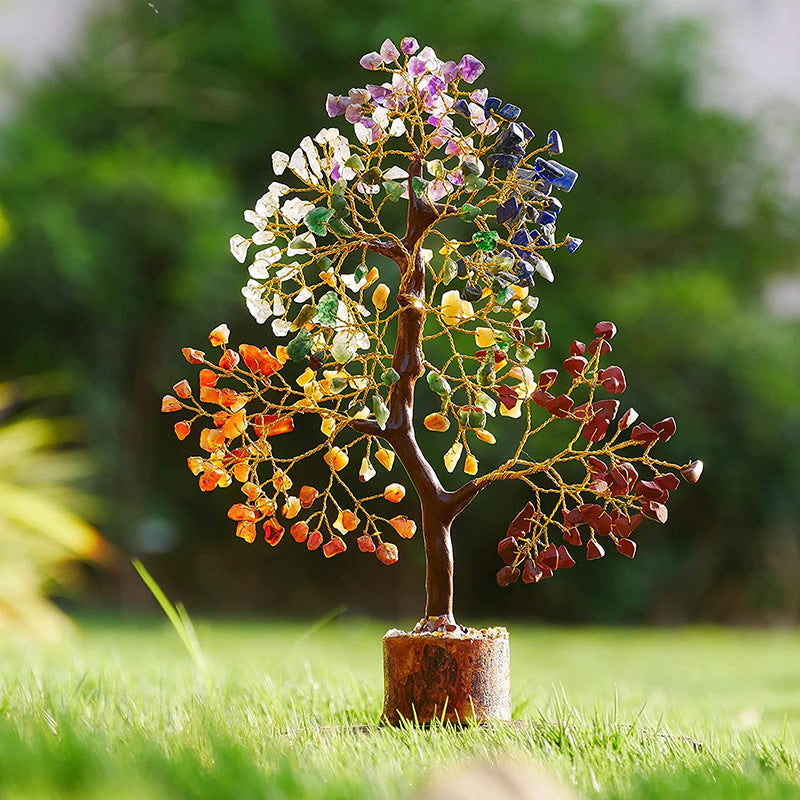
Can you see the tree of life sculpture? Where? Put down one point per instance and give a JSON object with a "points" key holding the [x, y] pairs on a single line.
{"points": [[479, 218]]}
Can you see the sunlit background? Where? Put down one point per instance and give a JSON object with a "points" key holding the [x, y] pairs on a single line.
{"points": [[132, 135]]}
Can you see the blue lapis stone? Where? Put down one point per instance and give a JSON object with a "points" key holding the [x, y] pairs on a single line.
{"points": [[507, 210], [532, 213], [503, 160], [512, 135], [461, 106], [566, 180], [522, 237], [509, 111], [554, 142], [524, 272], [546, 218], [461, 268], [553, 204], [547, 171], [491, 105], [529, 134], [573, 243]]}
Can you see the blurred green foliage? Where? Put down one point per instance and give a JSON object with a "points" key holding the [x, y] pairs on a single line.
{"points": [[124, 174]]}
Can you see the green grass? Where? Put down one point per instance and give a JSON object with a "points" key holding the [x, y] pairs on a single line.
{"points": [[123, 712]]}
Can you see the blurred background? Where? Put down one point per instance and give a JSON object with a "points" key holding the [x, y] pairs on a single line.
{"points": [[132, 135]]}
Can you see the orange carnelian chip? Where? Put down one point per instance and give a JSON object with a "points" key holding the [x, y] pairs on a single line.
{"points": [[193, 356], [314, 540], [219, 418], [208, 377], [404, 526], [209, 480], [241, 471], [229, 360], [268, 364], [281, 481], [182, 389], [250, 489], [240, 511], [299, 532], [182, 429], [195, 464], [366, 544], [387, 553], [394, 492], [291, 508], [228, 397], [235, 425], [349, 520], [334, 546], [170, 403], [273, 531], [281, 354], [220, 335], [211, 439], [308, 494], [336, 458], [271, 424], [209, 395], [385, 457], [246, 530]]}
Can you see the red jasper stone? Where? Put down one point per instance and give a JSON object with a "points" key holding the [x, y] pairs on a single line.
{"points": [[521, 524], [577, 348], [628, 418], [548, 557], [693, 472], [605, 330], [665, 428], [559, 406], [643, 433], [507, 549], [575, 365], [565, 559], [625, 526], [627, 547], [507, 576], [613, 379], [669, 481], [508, 397], [599, 344], [547, 378], [530, 572], [594, 550], [655, 510], [573, 536]]}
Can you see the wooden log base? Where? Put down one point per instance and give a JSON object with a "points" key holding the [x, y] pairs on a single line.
{"points": [[451, 678]]}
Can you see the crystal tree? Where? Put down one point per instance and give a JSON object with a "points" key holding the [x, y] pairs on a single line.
{"points": [[460, 167]]}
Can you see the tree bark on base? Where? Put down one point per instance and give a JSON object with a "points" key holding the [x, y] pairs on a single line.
{"points": [[453, 679]]}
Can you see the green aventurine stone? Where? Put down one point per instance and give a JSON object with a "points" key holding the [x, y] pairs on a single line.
{"points": [[504, 295], [299, 348], [359, 272], [327, 309], [324, 263], [354, 162], [420, 186], [468, 212], [340, 187], [372, 176], [300, 243], [488, 404], [523, 353], [338, 382], [339, 205], [486, 240], [393, 190], [338, 226], [438, 384], [538, 332], [381, 411], [343, 351], [530, 303], [305, 315], [390, 377], [472, 183], [472, 417], [485, 375], [450, 271], [317, 220]]}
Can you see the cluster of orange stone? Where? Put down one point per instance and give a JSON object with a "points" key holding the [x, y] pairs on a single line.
{"points": [[224, 464]]}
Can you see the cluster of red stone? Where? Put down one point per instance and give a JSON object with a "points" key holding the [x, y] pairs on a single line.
{"points": [[623, 498]]}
